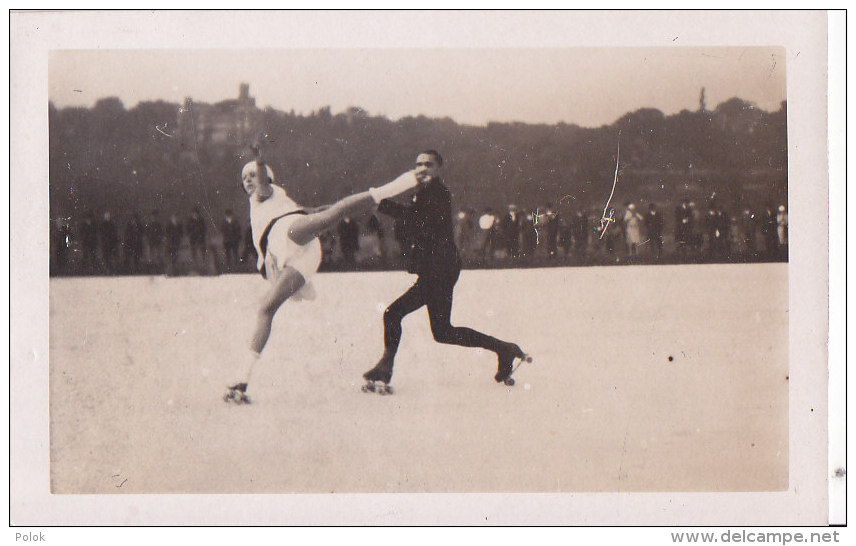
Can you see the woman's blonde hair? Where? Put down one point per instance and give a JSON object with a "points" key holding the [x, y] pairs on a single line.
{"points": [[268, 170]]}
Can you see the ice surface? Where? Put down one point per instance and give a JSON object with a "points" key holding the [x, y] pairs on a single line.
{"points": [[138, 366]]}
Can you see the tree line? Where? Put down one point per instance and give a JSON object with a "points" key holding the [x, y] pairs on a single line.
{"points": [[152, 157]]}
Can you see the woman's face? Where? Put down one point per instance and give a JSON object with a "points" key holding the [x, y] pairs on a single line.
{"points": [[253, 179]]}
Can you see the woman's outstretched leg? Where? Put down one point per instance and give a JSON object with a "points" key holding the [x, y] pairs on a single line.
{"points": [[308, 227]]}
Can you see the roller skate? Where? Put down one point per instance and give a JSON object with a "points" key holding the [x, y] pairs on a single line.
{"points": [[507, 367], [237, 394], [378, 387], [377, 379]]}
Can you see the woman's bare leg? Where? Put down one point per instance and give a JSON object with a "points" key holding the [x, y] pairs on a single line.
{"points": [[305, 228], [288, 282]]}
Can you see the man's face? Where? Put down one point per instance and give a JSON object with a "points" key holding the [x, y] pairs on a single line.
{"points": [[252, 179], [427, 168]]}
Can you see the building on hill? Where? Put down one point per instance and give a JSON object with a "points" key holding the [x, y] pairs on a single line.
{"points": [[230, 122]]}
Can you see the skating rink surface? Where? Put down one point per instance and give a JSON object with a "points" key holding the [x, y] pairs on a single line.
{"points": [[669, 378]]}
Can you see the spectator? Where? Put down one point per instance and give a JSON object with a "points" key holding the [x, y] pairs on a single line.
{"points": [[683, 228], [769, 232], [654, 225], [695, 235], [734, 239], [510, 231], [174, 235], [709, 228], [249, 256], [566, 235], [133, 244], [748, 227], [632, 229], [528, 235], [231, 229], [60, 241], [465, 229], [620, 223], [109, 236], [580, 230], [369, 243], [551, 231], [487, 233], [196, 234], [782, 226], [349, 242], [717, 232], [610, 239], [89, 238], [328, 244], [155, 238], [373, 226]]}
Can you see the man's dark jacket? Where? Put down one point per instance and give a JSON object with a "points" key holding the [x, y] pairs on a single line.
{"points": [[429, 244]]}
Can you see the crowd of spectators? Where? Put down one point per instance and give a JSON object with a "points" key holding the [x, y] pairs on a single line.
{"points": [[196, 244], [200, 244], [625, 234]]}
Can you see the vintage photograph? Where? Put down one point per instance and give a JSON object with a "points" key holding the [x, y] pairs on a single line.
{"points": [[410, 270], [638, 255]]}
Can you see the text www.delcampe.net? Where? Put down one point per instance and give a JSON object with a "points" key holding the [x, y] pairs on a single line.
{"points": [[765, 537]]}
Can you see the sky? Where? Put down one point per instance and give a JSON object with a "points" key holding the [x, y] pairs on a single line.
{"points": [[589, 87]]}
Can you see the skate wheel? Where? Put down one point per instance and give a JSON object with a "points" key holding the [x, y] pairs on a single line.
{"points": [[527, 358], [509, 381]]}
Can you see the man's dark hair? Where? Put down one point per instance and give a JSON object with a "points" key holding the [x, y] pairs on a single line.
{"points": [[436, 155]]}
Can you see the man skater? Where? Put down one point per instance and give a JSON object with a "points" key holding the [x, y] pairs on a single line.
{"points": [[433, 256], [285, 236]]}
